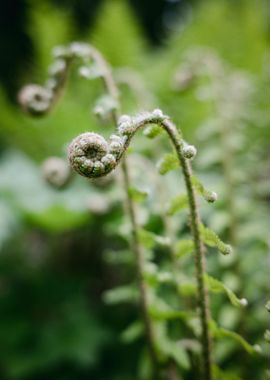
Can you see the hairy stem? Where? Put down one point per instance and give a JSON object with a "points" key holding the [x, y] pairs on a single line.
{"points": [[203, 299], [111, 89], [60, 84], [137, 249]]}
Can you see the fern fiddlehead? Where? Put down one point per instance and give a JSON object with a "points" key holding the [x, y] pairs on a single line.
{"points": [[39, 100], [91, 155], [90, 146]]}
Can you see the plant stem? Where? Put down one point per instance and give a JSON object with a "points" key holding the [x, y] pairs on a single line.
{"points": [[61, 83], [203, 299], [112, 90], [136, 247]]}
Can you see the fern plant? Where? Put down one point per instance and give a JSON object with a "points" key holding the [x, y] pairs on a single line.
{"points": [[229, 93], [92, 156]]}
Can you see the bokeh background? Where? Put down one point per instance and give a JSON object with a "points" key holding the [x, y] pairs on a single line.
{"points": [[63, 252]]}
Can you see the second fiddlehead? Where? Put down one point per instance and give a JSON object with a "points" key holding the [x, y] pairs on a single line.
{"points": [[92, 155]]}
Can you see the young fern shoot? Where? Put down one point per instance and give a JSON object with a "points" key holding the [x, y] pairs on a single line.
{"points": [[92, 156], [39, 100]]}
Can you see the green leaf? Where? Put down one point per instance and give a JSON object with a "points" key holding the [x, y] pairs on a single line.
{"points": [[177, 204], [132, 332], [138, 195], [187, 288], [184, 247], [220, 332], [167, 163], [211, 239], [267, 306], [160, 310], [169, 348], [150, 240], [179, 354], [153, 276], [121, 294], [217, 286], [147, 238], [57, 218], [209, 196]]}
